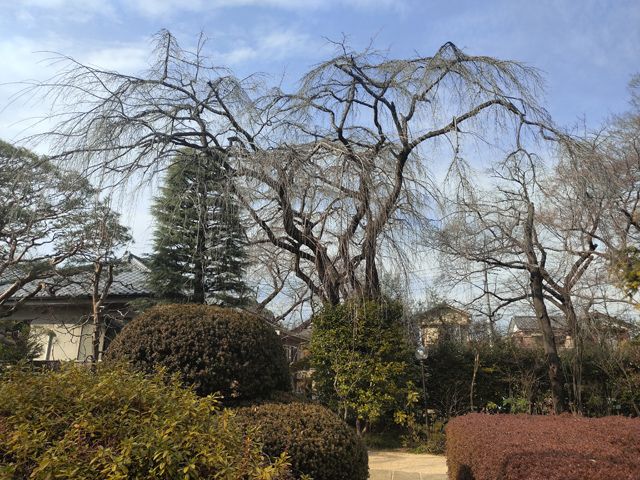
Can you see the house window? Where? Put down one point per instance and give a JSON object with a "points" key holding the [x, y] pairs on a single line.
{"points": [[291, 353]]}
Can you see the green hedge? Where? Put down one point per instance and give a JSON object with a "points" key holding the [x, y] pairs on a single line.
{"points": [[116, 424], [214, 349], [319, 444]]}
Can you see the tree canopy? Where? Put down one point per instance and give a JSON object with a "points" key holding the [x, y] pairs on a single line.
{"points": [[43, 216], [199, 241], [332, 174]]}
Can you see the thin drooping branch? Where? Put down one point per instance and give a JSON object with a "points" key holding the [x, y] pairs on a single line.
{"points": [[332, 175]]}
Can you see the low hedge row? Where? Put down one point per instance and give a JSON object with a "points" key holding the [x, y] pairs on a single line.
{"points": [[317, 442], [523, 447]]}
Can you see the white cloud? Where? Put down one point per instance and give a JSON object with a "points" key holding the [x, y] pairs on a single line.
{"points": [[26, 59], [238, 55], [128, 59], [273, 45], [85, 11], [77, 11]]}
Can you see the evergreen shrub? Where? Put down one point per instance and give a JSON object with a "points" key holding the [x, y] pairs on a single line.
{"points": [[117, 424], [216, 350], [318, 443], [362, 360]]}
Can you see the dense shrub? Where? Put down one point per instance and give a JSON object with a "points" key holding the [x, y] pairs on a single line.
{"points": [[513, 378], [214, 349], [318, 443], [522, 447], [362, 360], [116, 424], [507, 376], [16, 343], [608, 376]]}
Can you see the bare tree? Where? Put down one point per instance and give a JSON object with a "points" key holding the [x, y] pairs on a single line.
{"points": [[334, 175], [536, 230], [608, 162]]}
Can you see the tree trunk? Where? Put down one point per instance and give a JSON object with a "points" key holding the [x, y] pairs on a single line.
{"points": [[537, 296], [98, 297], [476, 365], [492, 327], [372, 280], [576, 360], [549, 343]]}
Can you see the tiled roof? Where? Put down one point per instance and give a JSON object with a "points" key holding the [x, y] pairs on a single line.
{"points": [[130, 279], [530, 323]]}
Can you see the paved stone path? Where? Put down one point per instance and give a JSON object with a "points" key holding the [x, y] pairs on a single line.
{"points": [[396, 465]]}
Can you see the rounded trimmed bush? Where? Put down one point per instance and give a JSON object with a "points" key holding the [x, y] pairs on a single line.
{"points": [[317, 441], [114, 423], [213, 349]]}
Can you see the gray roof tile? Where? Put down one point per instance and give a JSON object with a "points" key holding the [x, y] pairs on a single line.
{"points": [[130, 279], [530, 323]]}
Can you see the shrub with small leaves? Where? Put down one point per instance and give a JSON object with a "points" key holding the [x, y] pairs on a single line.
{"points": [[114, 424], [362, 360], [319, 444], [216, 350], [528, 447]]}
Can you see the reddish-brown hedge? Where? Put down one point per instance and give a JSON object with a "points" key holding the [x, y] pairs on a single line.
{"points": [[524, 447]]}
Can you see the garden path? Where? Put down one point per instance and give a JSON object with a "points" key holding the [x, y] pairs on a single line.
{"points": [[398, 465]]}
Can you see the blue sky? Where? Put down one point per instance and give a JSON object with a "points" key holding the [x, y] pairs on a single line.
{"points": [[587, 50]]}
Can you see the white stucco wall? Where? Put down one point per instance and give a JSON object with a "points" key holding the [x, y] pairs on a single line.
{"points": [[62, 330]]}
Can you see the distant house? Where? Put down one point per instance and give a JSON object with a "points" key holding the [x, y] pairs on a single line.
{"points": [[295, 343], [59, 315], [525, 331], [596, 327], [601, 327], [296, 347], [444, 323]]}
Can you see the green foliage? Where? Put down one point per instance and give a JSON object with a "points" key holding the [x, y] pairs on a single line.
{"points": [[39, 205], [627, 269], [199, 241], [513, 379], [49, 219], [435, 444], [316, 441], [516, 404], [385, 438], [102, 233], [610, 377], [505, 371], [16, 344], [361, 358], [214, 349], [115, 424], [417, 435]]}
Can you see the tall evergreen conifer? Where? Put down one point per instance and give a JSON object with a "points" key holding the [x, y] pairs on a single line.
{"points": [[199, 242]]}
